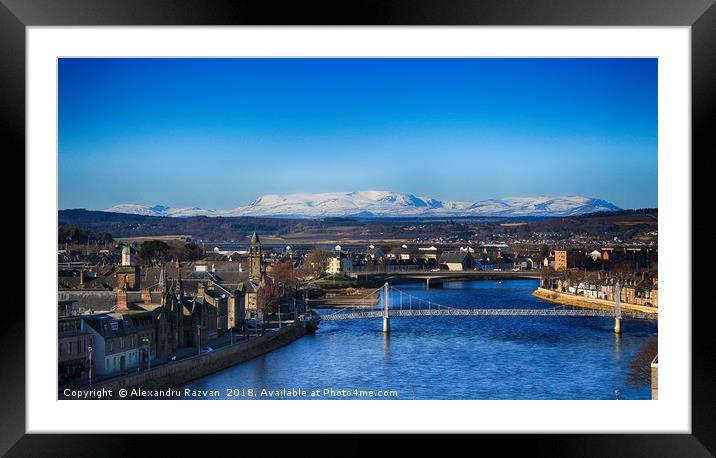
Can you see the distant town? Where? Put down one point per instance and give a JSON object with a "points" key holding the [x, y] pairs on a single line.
{"points": [[131, 303]]}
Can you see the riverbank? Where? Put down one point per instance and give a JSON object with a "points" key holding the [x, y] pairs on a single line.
{"points": [[557, 297], [186, 370], [458, 358], [327, 297]]}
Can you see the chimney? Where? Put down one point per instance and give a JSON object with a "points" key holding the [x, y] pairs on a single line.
{"points": [[121, 300], [82, 276], [210, 285], [200, 290], [146, 296]]}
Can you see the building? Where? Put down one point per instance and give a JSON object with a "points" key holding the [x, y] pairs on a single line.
{"points": [[630, 259], [66, 307], [188, 312], [374, 253], [339, 263], [252, 288], [428, 253], [73, 346], [456, 260], [255, 271], [120, 341], [401, 253], [128, 272], [493, 247], [523, 263], [568, 259], [560, 260], [216, 309], [588, 289]]}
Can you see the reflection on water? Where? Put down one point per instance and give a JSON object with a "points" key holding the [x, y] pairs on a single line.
{"points": [[456, 357]]}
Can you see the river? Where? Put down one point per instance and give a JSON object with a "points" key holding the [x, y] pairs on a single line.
{"points": [[448, 357]]}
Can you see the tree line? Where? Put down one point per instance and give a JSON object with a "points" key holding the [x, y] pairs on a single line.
{"points": [[75, 235], [156, 251]]}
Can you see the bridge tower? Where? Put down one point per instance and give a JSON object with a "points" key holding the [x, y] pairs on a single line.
{"points": [[618, 309], [386, 302]]}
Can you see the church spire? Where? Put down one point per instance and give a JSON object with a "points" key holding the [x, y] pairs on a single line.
{"points": [[255, 239], [180, 287], [162, 280]]}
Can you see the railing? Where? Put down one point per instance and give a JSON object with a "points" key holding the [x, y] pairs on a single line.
{"points": [[408, 305], [476, 272], [479, 312]]}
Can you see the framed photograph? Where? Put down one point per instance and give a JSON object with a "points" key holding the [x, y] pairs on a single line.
{"points": [[413, 218]]}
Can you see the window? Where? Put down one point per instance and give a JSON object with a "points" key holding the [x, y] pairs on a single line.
{"points": [[121, 342], [69, 348]]}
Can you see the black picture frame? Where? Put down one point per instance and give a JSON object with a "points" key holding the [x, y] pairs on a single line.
{"points": [[16, 15]]}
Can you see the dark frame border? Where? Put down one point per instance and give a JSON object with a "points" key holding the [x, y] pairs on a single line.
{"points": [[16, 15]]}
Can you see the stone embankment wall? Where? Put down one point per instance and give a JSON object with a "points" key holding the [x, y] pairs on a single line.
{"points": [[586, 302], [185, 370]]}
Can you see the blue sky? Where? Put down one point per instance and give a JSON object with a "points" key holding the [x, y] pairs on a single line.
{"points": [[217, 133]]}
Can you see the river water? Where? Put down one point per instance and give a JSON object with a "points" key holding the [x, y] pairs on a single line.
{"points": [[448, 357]]}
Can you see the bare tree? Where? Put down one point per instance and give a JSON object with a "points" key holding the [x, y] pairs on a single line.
{"points": [[269, 299], [315, 262], [285, 277], [640, 366]]}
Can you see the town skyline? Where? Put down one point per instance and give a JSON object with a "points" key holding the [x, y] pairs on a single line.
{"points": [[218, 133]]}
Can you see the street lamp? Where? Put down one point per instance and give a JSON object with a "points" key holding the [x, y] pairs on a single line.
{"points": [[90, 365], [198, 339], [145, 340]]}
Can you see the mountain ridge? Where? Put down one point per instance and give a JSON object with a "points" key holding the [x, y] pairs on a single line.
{"points": [[366, 204]]}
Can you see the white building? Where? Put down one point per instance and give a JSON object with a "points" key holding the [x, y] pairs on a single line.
{"points": [[339, 264]]}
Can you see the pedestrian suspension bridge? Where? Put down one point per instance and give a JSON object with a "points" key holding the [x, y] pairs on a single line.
{"points": [[396, 303]]}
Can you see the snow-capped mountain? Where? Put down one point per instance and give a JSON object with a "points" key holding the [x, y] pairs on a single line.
{"points": [[541, 206], [385, 204], [364, 203], [160, 210]]}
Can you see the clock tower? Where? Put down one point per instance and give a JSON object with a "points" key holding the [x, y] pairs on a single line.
{"points": [[255, 273]]}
